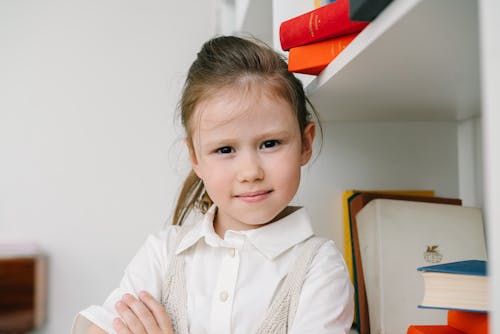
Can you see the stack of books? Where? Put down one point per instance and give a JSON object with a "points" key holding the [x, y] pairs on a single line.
{"points": [[460, 287], [315, 38], [393, 238], [353, 202]]}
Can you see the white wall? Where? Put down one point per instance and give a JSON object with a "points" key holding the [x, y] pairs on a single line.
{"points": [[87, 161], [377, 155], [470, 162]]}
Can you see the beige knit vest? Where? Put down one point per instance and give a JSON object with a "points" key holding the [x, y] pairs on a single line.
{"points": [[280, 314]]}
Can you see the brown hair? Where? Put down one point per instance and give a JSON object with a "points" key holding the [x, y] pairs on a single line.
{"points": [[229, 61]]}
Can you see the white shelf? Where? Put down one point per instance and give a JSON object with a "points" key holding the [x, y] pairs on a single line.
{"points": [[417, 61]]}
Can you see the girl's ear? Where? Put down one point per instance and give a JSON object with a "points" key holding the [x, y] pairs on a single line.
{"points": [[307, 142], [192, 156]]}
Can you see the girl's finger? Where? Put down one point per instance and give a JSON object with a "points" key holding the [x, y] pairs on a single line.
{"points": [[146, 320], [129, 317], [120, 327], [158, 311]]}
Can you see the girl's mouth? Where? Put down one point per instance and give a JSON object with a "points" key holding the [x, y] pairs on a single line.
{"points": [[254, 196]]}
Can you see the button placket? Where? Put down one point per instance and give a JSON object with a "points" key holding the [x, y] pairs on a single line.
{"points": [[224, 291]]}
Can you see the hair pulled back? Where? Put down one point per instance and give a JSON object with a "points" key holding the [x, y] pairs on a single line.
{"points": [[229, 62]]}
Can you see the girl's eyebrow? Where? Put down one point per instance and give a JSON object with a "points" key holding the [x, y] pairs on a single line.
{"points": [[271, 134], [275, 133]]}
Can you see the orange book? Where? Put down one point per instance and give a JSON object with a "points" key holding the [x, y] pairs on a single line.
{"points": [[433, 329], [468, 322], [313, 58]]}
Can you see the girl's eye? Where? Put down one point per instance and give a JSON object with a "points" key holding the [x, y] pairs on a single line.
{"points": [[270, 143], [225, 150]]}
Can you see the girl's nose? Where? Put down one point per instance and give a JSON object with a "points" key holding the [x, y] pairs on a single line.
{"points": [[250, 168]]}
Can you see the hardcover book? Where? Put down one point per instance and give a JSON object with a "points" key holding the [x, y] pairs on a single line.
{"points": [[313, 58], [459, 322], [356, 200], [395, 238], [461, 285], [326, 22], [469, 322], [433, 329], [366, 10]]}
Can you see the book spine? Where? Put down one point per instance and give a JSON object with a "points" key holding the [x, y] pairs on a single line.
{"points": [[366, 10], [313, 58], [433, 329], [326, 22], [468, 322]]}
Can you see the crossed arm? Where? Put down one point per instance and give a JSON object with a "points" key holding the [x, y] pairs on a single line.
{"points": [[143, 315]]}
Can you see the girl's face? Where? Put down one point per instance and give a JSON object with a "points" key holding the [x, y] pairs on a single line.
{"points": [[248, 150]]}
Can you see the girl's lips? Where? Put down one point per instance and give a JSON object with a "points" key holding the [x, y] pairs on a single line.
{"points": [[254, 196]]}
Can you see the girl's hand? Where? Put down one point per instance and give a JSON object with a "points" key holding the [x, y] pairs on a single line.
{"points": [[141, 316]]}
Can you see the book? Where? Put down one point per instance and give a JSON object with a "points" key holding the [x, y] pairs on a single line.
{"points": [[355, 202], [326, 22], [366, 10], [352, 202], [394, 238], [469, 322], [433, 329], [463, 322], [319, 3], [461, 285], [313, 58]]}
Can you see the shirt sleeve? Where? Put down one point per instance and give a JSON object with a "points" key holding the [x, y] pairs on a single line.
{"points": [[144, 272], [326, 303]]}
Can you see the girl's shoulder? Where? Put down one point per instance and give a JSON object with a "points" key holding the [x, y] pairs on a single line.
{"points": [[166, 238], [159, 245], [166, 233], [328, 256]]}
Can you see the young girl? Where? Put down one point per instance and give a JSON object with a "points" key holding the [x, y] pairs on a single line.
{"points": [[251, 263]]}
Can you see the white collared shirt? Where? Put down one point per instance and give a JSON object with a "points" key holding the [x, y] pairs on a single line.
{"points": [[231, 282]]}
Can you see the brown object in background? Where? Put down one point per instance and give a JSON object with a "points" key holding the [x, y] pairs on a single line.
{"points": [[23, 282]]}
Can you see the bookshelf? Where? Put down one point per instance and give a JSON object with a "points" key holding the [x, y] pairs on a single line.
{"points": [[434, 73], [419, 62]]}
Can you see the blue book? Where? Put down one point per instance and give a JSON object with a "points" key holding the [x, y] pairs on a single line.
{"points": [[461, 285], [467, 267]]}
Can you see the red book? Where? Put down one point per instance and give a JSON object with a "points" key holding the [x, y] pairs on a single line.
{"points": [[323, 23], [468, 322], [433, 329], [313, 58]]}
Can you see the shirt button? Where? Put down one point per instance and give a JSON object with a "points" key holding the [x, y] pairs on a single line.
{"points": [[223, 296], [232, 252]]}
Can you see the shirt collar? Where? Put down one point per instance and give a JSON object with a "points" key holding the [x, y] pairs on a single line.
{"points": [[200, 229], [271, 240]]}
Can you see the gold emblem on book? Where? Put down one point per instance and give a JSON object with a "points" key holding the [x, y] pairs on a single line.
{"points": [[432, 254]]}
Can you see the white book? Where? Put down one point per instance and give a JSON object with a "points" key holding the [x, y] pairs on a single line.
{"points": [[395, 238]]}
